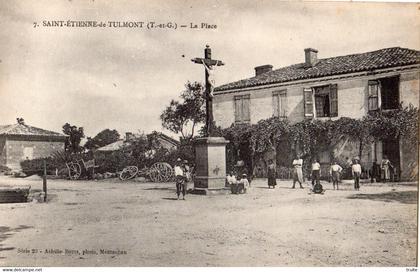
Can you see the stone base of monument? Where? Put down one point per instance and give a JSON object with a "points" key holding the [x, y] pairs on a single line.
{"points": [[210, 166]]}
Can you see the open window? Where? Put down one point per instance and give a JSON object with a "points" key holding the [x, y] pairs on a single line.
{"points": [[322, 99], [383, 93]]}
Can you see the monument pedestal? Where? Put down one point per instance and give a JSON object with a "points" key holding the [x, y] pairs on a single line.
{"points": [[210, 165]]}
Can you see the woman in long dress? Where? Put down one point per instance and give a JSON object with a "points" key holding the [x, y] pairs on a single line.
{"points": [[386, 168], [271, 173], [298, 174]]}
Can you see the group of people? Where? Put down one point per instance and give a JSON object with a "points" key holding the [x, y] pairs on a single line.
{"points": [[382, 172], [335, 172], [239, 184]]}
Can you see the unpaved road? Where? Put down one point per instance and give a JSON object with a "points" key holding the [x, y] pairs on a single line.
{"points": [[376, 226]]}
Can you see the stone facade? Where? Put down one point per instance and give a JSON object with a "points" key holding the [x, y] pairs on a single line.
{"points": [[14, 149], [352, 97], [352, 101]]}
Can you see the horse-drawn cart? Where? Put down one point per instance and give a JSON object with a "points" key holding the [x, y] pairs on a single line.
{"points": [[80, 168], [158, 172]]}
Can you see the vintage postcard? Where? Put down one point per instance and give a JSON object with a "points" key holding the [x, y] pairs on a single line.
{"points": [[209, 134]]}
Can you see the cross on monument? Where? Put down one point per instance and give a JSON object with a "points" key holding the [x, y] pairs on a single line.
{"points": [[208, 65]]}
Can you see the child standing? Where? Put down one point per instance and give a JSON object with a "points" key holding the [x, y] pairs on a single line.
{"points": [[243, 185]]}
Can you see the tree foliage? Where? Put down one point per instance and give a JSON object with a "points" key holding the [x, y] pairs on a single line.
{"points": [[103, 138], [183, 117], [76, 134]]}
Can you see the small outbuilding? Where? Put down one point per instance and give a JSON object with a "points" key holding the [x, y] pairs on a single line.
{"points": [[19, 142], [163, 140]]}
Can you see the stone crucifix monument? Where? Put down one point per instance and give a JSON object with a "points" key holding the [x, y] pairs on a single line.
{"points": [[210, 152]]}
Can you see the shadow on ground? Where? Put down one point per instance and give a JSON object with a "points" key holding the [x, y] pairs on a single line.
{"points": [[405, 197], [170, 198], [160, 189], [6, 232]]}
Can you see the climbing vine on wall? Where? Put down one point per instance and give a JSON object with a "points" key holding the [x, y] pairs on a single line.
{"points": [[309, 137]]}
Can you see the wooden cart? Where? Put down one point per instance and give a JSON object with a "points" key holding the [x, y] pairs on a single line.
{"points": [[80, 168], [158, 172]]}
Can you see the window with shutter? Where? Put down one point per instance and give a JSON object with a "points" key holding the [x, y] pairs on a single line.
{"points": [[326, 101], [238, 109], [276, 102], [308, 102], [245, 109], [373, 95], [333, 100], [283, 104], [242, 108], [280, 103]]}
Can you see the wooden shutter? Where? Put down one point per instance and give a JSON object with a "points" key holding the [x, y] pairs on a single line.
{"points": [[373, 95], [276, 104], [333, 100], [283, 104], [246, 114], [308, 102], [238, 109]]}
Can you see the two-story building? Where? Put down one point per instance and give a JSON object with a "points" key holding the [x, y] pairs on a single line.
{"points": [[330, 88]]}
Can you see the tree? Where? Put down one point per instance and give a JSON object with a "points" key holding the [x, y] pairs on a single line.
{"points": [[183, 117], [103, 138], [75, 134]]}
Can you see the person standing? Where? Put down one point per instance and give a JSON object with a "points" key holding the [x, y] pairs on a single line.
{"points": [[187, 174], [297, 172], [316, 172], [386, 168], [335, 172], [180, 179], [356, 170], [375, 172], [271, 173]]}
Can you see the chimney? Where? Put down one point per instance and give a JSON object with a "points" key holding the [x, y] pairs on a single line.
{"points": [[311, 57], [263, 69], [128, 136]]}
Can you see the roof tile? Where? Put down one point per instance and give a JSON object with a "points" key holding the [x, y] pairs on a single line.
{"points": [[23, 129], [383, 58]]}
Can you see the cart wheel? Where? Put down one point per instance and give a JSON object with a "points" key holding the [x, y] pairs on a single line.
{"points": [[129, 172], [74, 170], [161, 172]]}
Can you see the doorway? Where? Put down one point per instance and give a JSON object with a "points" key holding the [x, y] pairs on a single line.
{"points": [[391, 149]]}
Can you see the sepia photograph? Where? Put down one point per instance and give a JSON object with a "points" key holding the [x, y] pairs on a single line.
{"points": [[209, 134]]}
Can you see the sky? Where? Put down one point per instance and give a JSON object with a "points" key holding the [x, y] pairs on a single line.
{"points": [[123, 78]]}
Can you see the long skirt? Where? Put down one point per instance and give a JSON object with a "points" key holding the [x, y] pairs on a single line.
{"points": [[272, 181], [387, 172], [298, 175]]}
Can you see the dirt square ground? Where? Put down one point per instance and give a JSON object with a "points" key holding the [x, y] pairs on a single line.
{"points": [[113, 223]]}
